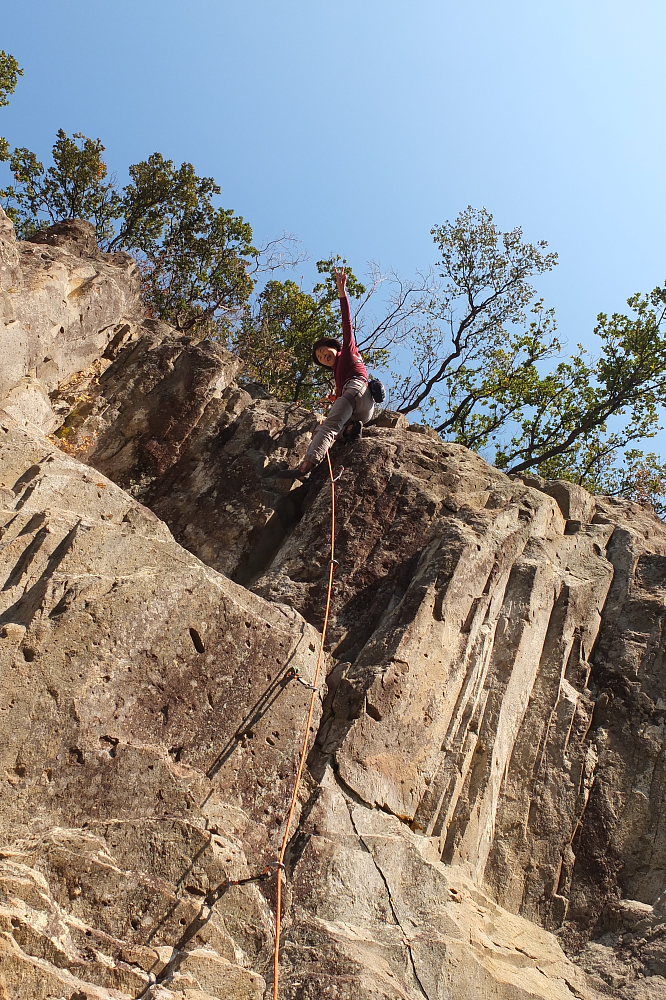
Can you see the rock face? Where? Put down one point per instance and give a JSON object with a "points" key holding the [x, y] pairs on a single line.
{"points": [[61, 300], [127, 707], [486, 779]]}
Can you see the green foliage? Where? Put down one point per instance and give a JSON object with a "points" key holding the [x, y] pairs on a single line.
{"points": [[482, 368], [275, 341], [10, 71], [196, 258], [326, 289], [640, 477], [486, 290], [486, 391], [564, 431], [75, 186]]}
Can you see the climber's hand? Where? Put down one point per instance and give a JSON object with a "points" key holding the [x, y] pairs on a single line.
{"points": [[341, 280]]}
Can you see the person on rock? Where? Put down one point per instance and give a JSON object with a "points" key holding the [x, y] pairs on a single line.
{"points": [[353, 404]]}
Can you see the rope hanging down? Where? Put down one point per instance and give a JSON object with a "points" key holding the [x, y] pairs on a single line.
{"points": [[333, 564]]}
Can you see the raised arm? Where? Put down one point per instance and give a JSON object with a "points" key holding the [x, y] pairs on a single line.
{"points": [[345, 307]]}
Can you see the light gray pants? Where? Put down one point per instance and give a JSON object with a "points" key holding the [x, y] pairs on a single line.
{"points": [[355, 402]]}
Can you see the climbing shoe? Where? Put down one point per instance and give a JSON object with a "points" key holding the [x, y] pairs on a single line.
{"points": [[301, 472], [353, 431]]}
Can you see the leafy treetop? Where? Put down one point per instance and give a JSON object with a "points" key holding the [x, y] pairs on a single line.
{"points": [[10, 71], [482, 369], [197, 258]]}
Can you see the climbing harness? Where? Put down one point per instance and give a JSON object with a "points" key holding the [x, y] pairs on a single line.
{"points": [[333, 565]]}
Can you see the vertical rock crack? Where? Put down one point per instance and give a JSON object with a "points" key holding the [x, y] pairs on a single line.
{"points": [[405, 938]]}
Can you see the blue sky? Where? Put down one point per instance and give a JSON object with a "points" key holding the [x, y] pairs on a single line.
{"points": [[357, 126]]}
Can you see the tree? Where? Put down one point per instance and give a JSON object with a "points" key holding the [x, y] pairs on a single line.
{"points": [[642, 478], [75, 186], [197, 258], [486, 289], [482, 354], [565, 429], [10, 71]]}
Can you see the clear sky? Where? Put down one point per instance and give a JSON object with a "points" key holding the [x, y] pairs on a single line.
{"points": [[357, 126]]}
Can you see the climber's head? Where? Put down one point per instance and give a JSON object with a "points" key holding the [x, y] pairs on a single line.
{"points": [[325, 351]]}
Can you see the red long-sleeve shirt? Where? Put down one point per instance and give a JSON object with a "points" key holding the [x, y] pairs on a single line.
{"points": [[349, 363]]}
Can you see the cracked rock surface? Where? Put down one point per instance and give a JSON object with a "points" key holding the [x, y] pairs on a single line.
{"points": [[483, 807]]}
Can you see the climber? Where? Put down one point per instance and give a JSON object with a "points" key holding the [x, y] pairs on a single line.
{"points": [[353, 404]]}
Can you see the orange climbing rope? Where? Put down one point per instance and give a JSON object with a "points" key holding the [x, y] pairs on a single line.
{"points": [[304, 748]]}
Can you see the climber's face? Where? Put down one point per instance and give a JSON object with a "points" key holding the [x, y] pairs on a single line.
{"points": [[326, 356]]}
